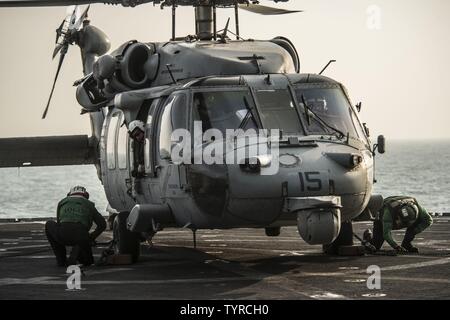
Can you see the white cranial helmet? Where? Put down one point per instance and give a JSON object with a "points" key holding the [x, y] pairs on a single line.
{"points": [[136, 124], [79, 191]]}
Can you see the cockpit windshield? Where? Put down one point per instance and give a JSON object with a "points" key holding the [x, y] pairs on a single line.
{"points": [[277, 111], [327, 108], [327, 111]]}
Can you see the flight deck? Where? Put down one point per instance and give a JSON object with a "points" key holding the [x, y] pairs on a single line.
{"points": [[230, 264]]}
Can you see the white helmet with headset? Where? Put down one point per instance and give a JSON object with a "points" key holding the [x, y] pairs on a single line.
{"points": [[78, 191]]}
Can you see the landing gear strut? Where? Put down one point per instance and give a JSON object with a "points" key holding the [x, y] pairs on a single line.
{"points": [[343, 245]]}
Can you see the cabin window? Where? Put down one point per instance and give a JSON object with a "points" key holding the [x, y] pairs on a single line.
{"points": [[148, 137], [122, 147], [148, 153], [110, 141], [173, 117]]}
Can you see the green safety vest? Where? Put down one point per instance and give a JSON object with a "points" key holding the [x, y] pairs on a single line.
{"points": [[76, 209], [389, 215]]}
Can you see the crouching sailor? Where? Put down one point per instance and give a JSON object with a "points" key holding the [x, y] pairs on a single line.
{"points": [[399, 213], [74, 218]]}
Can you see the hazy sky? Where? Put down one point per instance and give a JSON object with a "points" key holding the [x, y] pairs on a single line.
{"points": [[399, 71]]}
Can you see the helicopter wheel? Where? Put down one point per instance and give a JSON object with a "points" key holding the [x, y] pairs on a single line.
{"points": [[344, 239], [110, 220], [125, 241]]}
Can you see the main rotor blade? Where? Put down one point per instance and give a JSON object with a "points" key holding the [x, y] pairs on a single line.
{"points": [[55, 3], [57, 50], [44, 3], [77, 25], [265, 10], [61, 60], [59, 30], [73, 13]]}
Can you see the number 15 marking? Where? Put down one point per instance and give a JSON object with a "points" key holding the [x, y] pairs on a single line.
{"points": [[308, 182]]}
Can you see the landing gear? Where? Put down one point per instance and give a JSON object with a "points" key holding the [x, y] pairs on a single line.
{"points": [[111, 219], [273, 232], [343, 241], [125, 241]]}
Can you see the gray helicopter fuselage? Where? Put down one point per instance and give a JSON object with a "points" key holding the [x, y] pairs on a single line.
{"points": [[324, 168], [234, 135], [225, 195]]}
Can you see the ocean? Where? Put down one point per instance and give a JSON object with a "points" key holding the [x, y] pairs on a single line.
{"points": [[416, 168]]}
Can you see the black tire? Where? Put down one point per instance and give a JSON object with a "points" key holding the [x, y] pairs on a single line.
{"points": [[345, 238], [273, 232], [125, 241], [111, 219]]}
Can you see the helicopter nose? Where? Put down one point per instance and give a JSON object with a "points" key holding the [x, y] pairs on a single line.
{"points": [[259, 189]]}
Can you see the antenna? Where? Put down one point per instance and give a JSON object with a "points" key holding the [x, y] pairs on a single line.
{"points": [[324, 68], [170, 73]]}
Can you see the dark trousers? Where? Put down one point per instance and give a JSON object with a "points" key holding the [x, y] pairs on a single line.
{"points": [[378, 239], [74, 235]]}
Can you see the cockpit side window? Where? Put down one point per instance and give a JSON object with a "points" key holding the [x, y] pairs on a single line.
{"points": [[325, 103], [358, 125], [224, 110], [173, 117]]}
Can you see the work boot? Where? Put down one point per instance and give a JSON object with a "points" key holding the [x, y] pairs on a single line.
{"points": [[409, 247]]}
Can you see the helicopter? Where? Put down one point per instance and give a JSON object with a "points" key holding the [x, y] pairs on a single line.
{"points": [[288, 148]]}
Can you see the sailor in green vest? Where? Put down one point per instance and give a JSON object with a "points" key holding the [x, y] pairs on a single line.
{"points": [[74, 218], [397, 213]]}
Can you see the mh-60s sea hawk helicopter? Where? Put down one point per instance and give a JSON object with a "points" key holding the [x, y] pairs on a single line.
{"points": [[322, 154]]}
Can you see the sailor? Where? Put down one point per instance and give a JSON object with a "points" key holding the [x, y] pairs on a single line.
{"points": [[136, 130], [74, 218], [399, 212]]}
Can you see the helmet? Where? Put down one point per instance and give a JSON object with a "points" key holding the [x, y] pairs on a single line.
{"points": [[78, 191], [368, 235], [409, 213], [134, 126]]}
